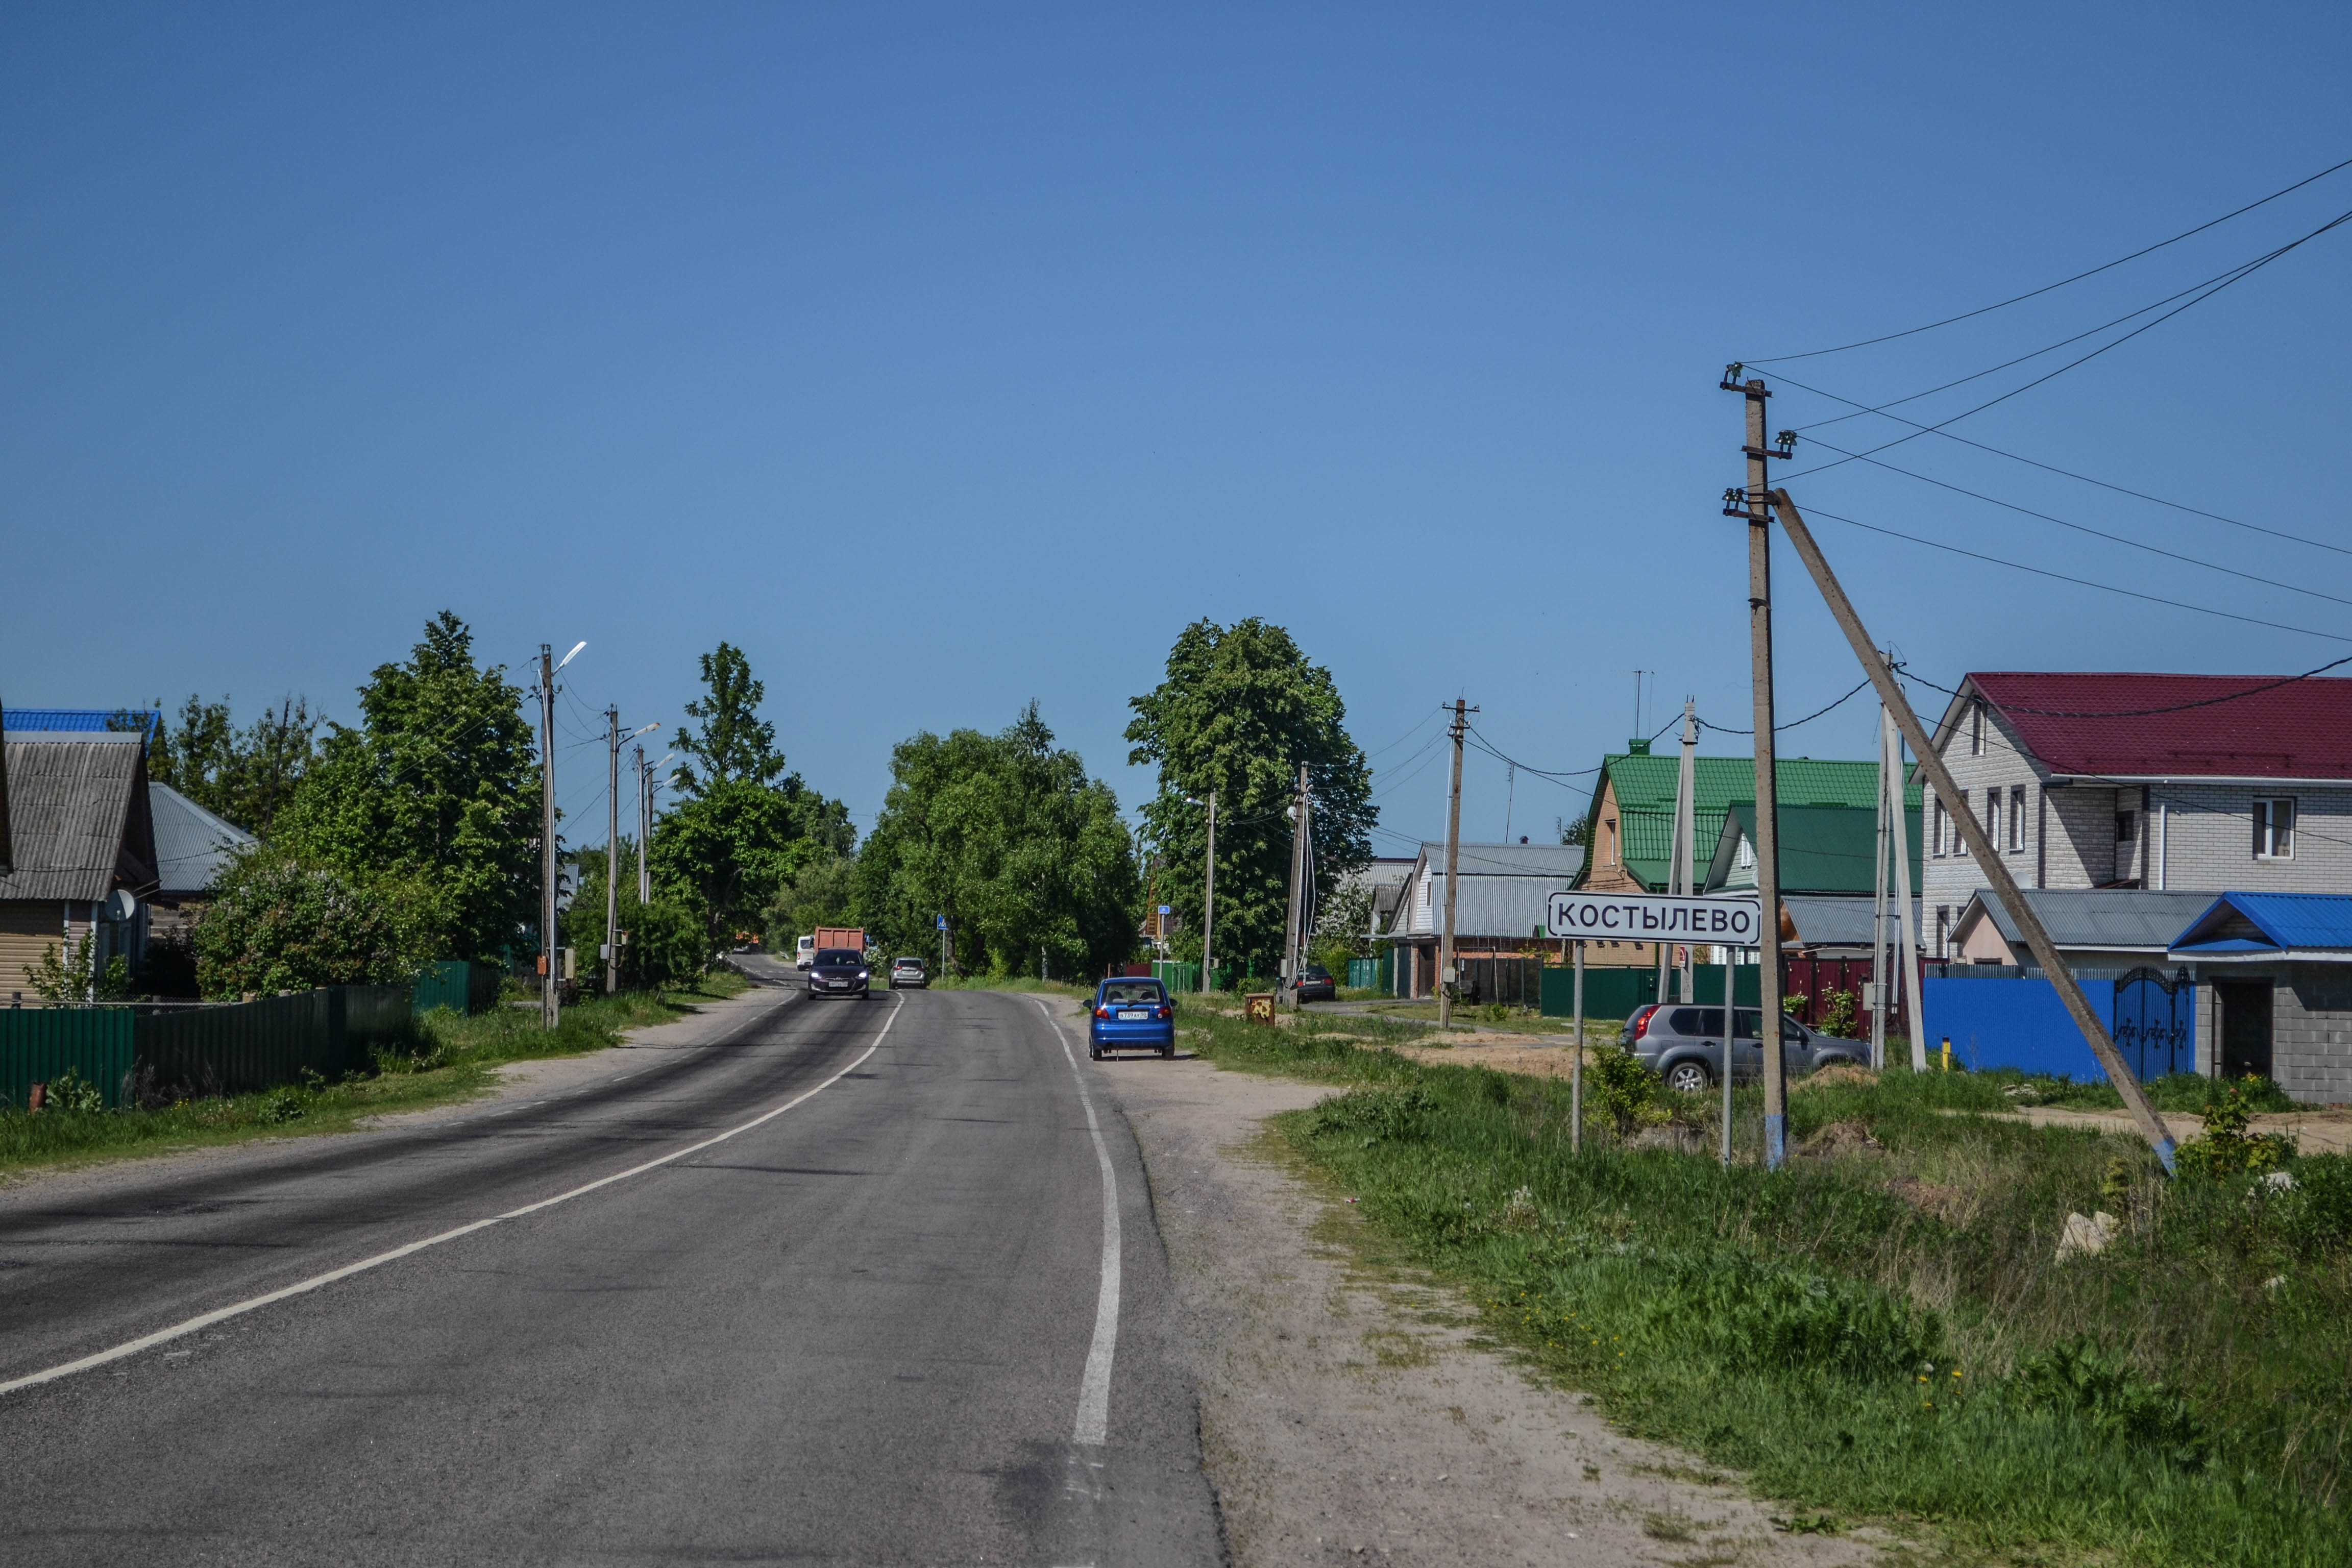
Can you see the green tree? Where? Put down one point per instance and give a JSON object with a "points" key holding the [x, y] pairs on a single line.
{"points": [[1240, 709], [663, 944], [745, 826], [245, 775], [62, 979], [275, 924], [1007, 836], [824, 893], [437, 788], [734, 742]]}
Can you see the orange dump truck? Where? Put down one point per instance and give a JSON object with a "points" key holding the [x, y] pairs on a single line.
{"points": [[850, 937]]}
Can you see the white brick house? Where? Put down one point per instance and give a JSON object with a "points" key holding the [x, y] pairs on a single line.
{"points": [[2176, 781]]}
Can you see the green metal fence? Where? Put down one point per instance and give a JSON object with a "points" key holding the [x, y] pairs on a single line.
{"points": [[1180, 979], [235, 1049], [460, 986], [1614, 991], [38, 1044]]}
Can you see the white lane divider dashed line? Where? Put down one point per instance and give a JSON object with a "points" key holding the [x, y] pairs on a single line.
{"points": [[1094, 1388], [204, 1320]]}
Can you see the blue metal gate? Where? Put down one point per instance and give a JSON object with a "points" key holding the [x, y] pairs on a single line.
{"points": [[2156, 1023]]}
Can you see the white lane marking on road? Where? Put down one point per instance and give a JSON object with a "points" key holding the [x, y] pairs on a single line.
{"points": [[1094, 1389], [317, 1281]]}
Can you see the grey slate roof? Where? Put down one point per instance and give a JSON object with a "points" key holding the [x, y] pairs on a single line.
{"points": [[1829, 921], [193, 847], [75, 815], [2108, 917], [1555, 860]]}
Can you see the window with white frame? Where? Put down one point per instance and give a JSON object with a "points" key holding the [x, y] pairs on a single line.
{"points": [[2017, 817], [1943, 826], [1993, 817], [2274, 828], [1745, 856], [1959, 839], [1976, 729]]}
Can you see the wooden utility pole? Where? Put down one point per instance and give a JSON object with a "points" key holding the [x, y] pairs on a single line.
{"points": [[1988, 855], [1452, 865], [1293, 936], [1209, 902], [1767, 824], [551, 954]]}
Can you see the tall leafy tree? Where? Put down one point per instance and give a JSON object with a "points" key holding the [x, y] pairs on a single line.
{"points": [[732, 741], [1007, 836], [1240, 708], [437, 787], [246, 775], [745, 826]]}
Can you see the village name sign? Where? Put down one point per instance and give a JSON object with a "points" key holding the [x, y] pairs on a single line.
{"points": [[1655, 917]]}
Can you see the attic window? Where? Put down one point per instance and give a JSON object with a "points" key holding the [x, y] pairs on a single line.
{"points": [[1976, 729], [1745, 857], [1609, 841]]}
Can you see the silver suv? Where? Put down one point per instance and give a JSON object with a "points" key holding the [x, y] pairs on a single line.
{"points": [[1684, 1045]]}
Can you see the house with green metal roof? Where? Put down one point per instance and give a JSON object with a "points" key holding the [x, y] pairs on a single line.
{"points": [[1824, 849], [1629, 830]]}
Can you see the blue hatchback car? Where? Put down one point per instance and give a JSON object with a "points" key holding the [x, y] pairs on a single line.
{"points": [[1131, 1016]]}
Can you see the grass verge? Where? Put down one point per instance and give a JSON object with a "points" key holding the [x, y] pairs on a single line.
{"points": [[1881, 1331], [456, 1059]]}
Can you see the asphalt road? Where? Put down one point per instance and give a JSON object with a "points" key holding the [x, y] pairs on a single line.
{"points": [[879, 1326]]}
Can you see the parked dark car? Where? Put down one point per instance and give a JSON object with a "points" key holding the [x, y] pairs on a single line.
{"points": [[1131, 1016], [838, 971], [1316, 985], [1684, 1045], [909, 974]]}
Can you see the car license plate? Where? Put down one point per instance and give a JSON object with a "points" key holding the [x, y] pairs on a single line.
{"points": [[1132, 1015]]}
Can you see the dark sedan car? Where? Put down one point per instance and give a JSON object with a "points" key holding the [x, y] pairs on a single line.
{"points": [[1316, 985], [838, 971], [1131, 1016]]}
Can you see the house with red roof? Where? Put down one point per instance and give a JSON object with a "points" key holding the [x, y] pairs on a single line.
{"points": [[2138, 781]]}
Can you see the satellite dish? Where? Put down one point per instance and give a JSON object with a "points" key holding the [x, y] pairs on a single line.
{"points": [[120, 905]]}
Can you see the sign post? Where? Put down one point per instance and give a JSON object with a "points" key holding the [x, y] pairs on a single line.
{"points": [[1661, 918]]}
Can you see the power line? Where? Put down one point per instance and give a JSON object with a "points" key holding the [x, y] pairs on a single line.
{"points": [[2080, 582], [2053, 468], [2095, 532], [2032, 293], [2240, 276], [1777, 729]]}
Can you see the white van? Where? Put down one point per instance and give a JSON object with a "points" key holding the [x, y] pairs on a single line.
{"points": [[807, 953]]}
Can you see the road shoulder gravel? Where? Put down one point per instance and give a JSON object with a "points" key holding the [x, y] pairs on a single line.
{"points": [[1349, 1410]]}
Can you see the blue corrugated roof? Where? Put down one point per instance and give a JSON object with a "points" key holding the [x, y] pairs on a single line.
{"points": [[74, 717], [2251, 922]]}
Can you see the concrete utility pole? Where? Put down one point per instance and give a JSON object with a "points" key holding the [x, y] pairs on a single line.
{"points": [[1908, 922], [1989, 860], [1767, 825], [645, 830], [1682, 856], [1293, 936], [1460, 726], [1879, 873], [1209, 902], [612, 852], [551, 954]]}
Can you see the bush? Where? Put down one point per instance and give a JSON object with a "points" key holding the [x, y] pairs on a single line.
{"points": [[1747, 1309], [69, 1091], [2108, 1395], [275, 924], [1622, 1088], [2227, 1150], [1376, 1115]]}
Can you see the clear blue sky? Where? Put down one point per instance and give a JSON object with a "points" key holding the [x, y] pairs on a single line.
{"points": [[945, 358]]}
